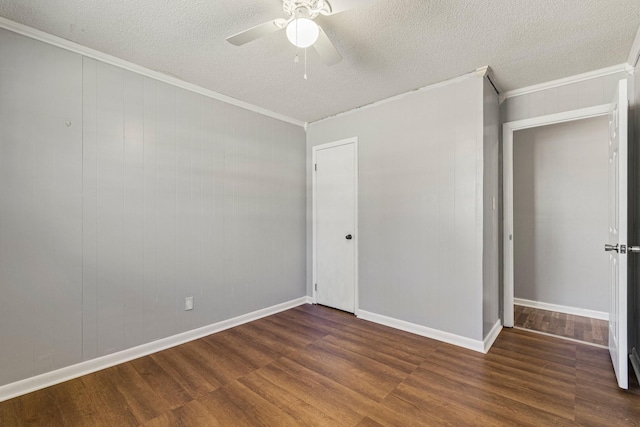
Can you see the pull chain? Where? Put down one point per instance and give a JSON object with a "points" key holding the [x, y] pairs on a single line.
{"points": [[296, 59]]}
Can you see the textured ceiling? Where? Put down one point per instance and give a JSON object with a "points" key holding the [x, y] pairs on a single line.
{"points": [[389, 46]]}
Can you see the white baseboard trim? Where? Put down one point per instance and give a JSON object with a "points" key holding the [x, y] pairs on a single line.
{"points": [[635, 362], [47, 379], [601, 315], [492, 335], [471, 344], [309, 300], [547, 334]]}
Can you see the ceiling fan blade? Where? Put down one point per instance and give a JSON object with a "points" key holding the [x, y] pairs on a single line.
{"points": [[326, 49], [338, 6], [256, 32]]}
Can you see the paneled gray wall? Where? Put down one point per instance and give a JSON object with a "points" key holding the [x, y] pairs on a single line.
{"points": [[419, 196], [151, 195], [491, 207], [40, 208], [560, 214]]}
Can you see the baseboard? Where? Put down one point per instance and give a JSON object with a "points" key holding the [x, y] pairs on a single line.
{"points": [[560, 337], [308, 300], [492, 335], [471, 344], [601, 315], [38, 382], [635, 362]]}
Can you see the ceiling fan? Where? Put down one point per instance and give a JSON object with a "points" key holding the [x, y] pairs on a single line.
{"points": [[301, 29]]}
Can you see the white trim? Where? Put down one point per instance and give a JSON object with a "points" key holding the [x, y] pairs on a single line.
{"points": [[507, 188], [565, 81], [480, 253], [487, 72], [27, 31], [593, 314], [38, 382], [547, 334], [460, 341], [634, 53], [618, 341], [492, 335], [482, 71], [314, 151], [635, 362], [397, 97]]}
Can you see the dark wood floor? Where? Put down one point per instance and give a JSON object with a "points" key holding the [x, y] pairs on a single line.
{"points": [[580, 328], [316, 366]]}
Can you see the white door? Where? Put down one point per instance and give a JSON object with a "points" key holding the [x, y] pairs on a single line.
{"points": [[617, 245], [335, 197]]}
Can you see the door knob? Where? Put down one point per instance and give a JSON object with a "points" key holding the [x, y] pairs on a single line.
{"points": [[634, 249], [609, 248], [348, 237]]}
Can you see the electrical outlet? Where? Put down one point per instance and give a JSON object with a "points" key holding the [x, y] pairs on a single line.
{"points": [[188, 303]]}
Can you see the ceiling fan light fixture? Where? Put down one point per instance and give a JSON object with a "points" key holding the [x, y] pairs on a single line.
{"points": [[302, 32]]}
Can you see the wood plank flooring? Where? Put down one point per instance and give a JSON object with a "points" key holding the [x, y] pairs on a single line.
{"points": [[580, 328], [321, 367]]}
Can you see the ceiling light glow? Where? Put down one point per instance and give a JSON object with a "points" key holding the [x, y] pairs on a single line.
{"points": [[302, 32]]}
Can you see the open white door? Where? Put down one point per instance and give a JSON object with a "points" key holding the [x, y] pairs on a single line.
{"points": [[334, 224], [617, 245]]}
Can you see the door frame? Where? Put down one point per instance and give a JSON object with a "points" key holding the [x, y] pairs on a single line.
{"points": [[314, 151], [508, 130]]}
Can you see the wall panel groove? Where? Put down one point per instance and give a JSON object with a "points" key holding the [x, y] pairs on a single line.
{"points": [[151, 194]]}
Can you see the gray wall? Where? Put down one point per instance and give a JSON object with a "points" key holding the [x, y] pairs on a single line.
{"points": [[152, 194], [560, 214], [420, 200], [491, 242]]}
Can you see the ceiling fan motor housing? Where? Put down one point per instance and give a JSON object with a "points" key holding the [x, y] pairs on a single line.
{"points": [[306, 8], [306, 32]]}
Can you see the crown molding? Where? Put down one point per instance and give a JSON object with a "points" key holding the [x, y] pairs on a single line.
{"points": [[400, 96], [487, 72], [482, 71], [634, 53], [32, 33], [566, 80]]}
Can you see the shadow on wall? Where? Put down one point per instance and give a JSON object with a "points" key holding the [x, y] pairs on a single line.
{"points": [[524, 217]]}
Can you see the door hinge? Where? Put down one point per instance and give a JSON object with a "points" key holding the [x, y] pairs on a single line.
{"points": [[315, 166], [316, 287]]}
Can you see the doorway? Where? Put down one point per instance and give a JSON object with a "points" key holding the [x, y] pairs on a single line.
{"points": [[617, 222], [508, 136], [335, 224], [560, 199]]}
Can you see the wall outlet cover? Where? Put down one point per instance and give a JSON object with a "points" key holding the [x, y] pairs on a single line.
{"points": [[188, 303]]}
